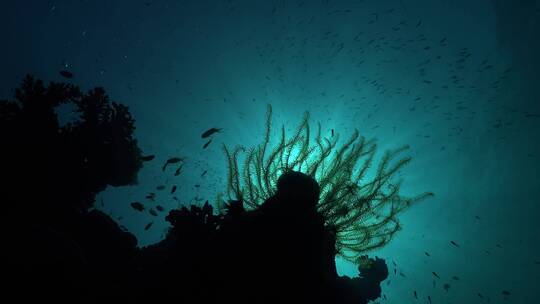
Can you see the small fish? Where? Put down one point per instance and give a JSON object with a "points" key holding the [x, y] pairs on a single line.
{"points": [[209, 132], [435, 274], [159, 208], [148, 158], [477, 217], [160, 187], [426, 253], [67, 74], [332, 132], [173, 189], [204, 173], [148, 226], [172, 160], [137, 206], [455, 278], [480, 296], [178, 170], [454, 243], [419, 23], [505, 293], [152, 212], [415, 295], [429, 299], [446, 286], [207, 144]]}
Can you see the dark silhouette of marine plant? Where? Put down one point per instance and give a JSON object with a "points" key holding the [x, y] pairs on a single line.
{"points": [[363, 212]]}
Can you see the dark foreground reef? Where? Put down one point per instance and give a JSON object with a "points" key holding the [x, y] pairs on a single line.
{"points": [[58, 248]]}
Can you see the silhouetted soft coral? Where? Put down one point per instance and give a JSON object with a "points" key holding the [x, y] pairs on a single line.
{"points": [[51, 173]]}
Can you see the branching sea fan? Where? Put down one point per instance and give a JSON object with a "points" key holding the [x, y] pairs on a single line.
{"points": [[361, 211]]}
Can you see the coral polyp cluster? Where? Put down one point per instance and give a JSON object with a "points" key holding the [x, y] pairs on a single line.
{"points": [[361, 211]]}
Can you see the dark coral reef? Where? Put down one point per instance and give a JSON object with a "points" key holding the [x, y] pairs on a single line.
{"points": [[58, 248]]}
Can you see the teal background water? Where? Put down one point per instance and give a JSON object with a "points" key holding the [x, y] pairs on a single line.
{"points": [[456, 80]]}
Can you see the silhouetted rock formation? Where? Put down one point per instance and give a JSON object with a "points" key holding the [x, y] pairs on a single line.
{"points": [[60, 249], [282, 252]]}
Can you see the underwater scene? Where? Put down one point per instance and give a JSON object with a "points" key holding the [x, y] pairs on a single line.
{"points": [[279, 151]]}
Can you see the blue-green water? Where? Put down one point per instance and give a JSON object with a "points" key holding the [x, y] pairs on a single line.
{"points": [[456, 80]]}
